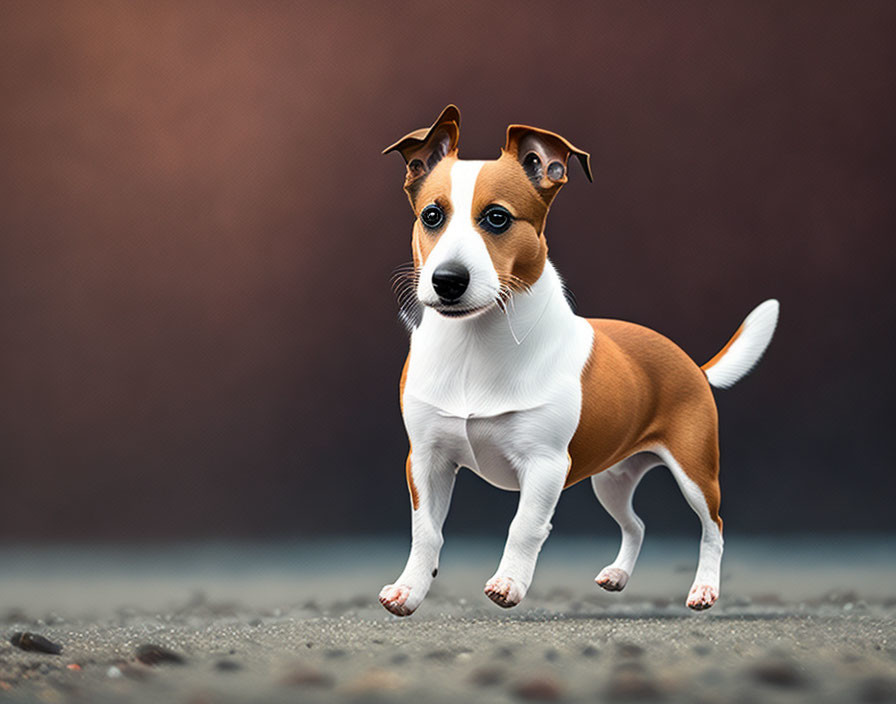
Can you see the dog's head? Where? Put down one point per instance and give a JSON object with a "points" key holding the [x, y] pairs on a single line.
{"points": [[479, 229]]}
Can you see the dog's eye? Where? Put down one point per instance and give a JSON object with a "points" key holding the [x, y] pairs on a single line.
{"points": [[496, 219], [432, 216]]}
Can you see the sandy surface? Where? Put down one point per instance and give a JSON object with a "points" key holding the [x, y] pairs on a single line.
{"points": [[799, 620]]}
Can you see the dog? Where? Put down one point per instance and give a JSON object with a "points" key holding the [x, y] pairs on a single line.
{"points": [[505, 379]]}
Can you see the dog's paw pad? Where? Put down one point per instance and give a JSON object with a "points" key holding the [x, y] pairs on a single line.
{"points": [[394, 598], [613, 579], [702, 596], [504, 591]]}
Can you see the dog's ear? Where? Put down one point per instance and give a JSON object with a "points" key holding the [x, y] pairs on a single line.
{"points": [[424, 148], [544, 157]]}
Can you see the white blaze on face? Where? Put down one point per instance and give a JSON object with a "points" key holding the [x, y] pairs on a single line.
{"points": [[462, 243]]}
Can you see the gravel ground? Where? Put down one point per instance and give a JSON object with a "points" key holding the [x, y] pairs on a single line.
{"points": [[799, 620]]}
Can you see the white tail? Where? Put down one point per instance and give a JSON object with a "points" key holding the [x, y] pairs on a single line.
{"points": [[745, 348]]}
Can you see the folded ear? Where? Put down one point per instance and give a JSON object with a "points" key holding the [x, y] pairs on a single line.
{"points": [[544, 157], [424, 148]]}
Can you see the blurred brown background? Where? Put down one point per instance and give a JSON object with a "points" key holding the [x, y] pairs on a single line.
{"points": [[198, 336]]}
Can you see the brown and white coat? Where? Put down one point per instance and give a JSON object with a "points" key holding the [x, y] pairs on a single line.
{"points": [[504, 379]]}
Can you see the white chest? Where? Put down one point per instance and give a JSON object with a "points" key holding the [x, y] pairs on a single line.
{"points": [[489, 391]]}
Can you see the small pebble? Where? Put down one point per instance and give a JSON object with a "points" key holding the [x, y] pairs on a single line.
{"points": [[778, 673], [443, 655], [35, 643], [487, 676], [304, 676], [629, 650], [150, 654], [377, 681], [125, 669], [228, 666], [632, 684], [542, 689]]}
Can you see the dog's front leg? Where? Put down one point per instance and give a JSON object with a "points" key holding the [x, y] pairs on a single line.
{"points": [[541, 481], [431, 482]]}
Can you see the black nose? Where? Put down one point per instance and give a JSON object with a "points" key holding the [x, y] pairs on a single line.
{"points": [[450, 281]]}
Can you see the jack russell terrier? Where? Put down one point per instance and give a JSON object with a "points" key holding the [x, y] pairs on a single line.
{"points": [[503, 378]]}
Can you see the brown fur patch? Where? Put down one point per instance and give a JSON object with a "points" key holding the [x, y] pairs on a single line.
{"points": [[435, 188], [422, 149], [408, 472], [412, 488], [518, 254], [639, 390]]}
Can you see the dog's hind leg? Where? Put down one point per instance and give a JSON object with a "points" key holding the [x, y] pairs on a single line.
{"points": [[614, 488], [701, 490]]}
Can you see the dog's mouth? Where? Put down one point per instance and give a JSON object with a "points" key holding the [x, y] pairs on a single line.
{"points": [[451, 312]]}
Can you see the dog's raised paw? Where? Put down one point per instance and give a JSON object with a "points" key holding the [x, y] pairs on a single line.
{"points": [[394, 598], [702, 596], [504, 591], [613, 579]]}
